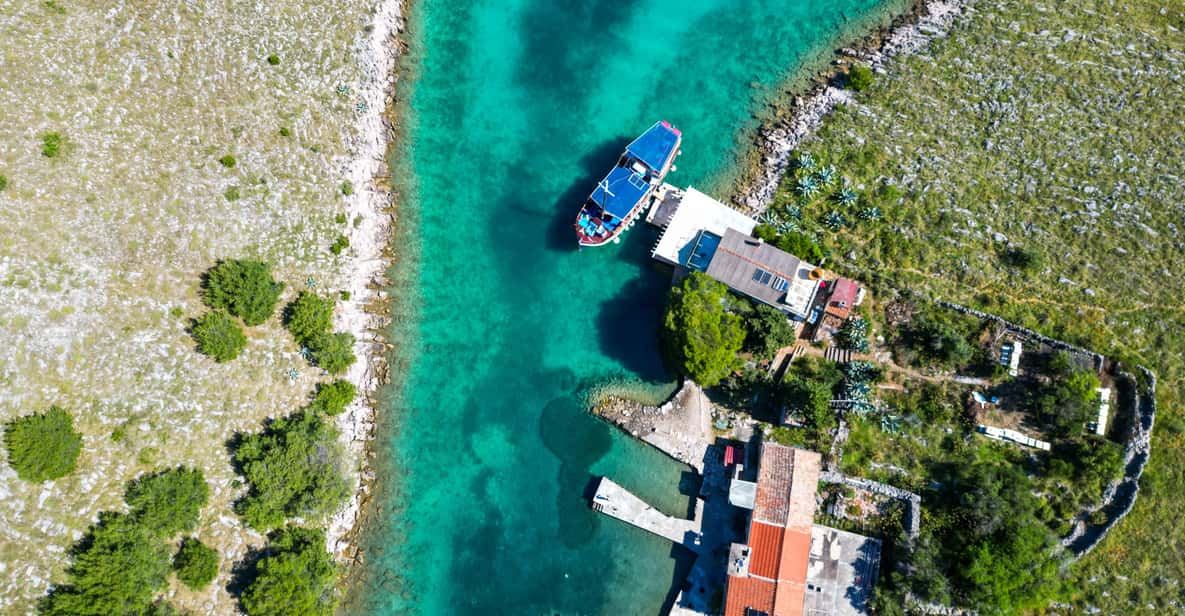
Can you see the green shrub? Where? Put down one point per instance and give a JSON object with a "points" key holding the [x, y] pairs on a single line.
{"points": [[118, 568], [295, 577], [347, 188], [308, 316], [860, 77], [285, 132], [332, 352], [701, 337], [1024, 259], [51, 144], [43, 446], [228, 161], [4, 182], [769, 330], [340, 219], [341, 243], [243, 288], [167, 502], [218, 336], [273, 59], [801, 245], [196, 564], [232, 193], [332, 398], [293, 468], [344, 295]]}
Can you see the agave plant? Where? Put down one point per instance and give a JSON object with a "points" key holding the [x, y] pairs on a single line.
{"points": [[826, 175], [847, 197], [793, 211], [805, 161], [870, 213], [834, 220], [787, 226], [807, 186], [768, 218]]}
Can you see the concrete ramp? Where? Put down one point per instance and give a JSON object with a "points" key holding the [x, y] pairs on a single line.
{"points": [[617, 502]]}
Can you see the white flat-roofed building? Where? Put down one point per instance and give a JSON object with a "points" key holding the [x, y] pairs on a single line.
{"points": [[695, 212]]}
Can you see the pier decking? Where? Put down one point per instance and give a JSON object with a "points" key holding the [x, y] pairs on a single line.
{"points": [[617, 502]]}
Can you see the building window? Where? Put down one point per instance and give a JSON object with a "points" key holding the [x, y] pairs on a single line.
{"points": [[761, 276]]}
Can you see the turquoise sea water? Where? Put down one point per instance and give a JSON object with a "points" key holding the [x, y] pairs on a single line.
{"points": [[519, 107]]}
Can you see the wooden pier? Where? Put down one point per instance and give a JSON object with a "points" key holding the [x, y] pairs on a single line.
{"points": [[617, 502]]}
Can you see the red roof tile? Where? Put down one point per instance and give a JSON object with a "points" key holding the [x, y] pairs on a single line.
{"points": [[744, 593], [765, 545]]}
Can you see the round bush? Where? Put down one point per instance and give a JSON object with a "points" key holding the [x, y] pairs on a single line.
{"points": [[243, 288], [332, 398], [227, 161], [333, 352], [196, 564], [218, 336], [860, 77], [308, 316], [43, 446], [169, 501]]}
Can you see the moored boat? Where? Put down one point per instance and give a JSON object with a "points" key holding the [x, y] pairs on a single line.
{"points": [[616, 202]]}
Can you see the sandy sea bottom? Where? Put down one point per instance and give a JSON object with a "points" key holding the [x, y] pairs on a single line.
{"points": [[517, 111]]}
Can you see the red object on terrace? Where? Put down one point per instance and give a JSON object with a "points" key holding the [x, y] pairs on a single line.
{"points": [[728, 455]]}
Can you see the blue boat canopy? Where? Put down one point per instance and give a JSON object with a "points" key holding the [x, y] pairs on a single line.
{"points": [[654, 146], [620, 191]]}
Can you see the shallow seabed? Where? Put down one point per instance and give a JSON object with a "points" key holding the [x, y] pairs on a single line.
{"points": [[518, 109]]}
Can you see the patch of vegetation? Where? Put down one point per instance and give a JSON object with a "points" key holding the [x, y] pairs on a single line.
{"points": [[937, 337], [341, 218], [806, 396], [3, 181], [347, 188], [1068, 400], [333, 353], [295, 577], [218, 336], [43, 446], [853, 334], [768, 331], [308, 316], [341, 243], [167, 502], [228, 161], [54, 7], [118, 568], [51, 144], [796, 243], [332, 398], [273, 59], [285, 131], [232, 193], [859, 77], [701, 335], [196, 564], [294, 468], [244, 288]]}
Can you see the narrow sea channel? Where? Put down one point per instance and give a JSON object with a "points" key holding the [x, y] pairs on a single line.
{"points": [[519, 107]]}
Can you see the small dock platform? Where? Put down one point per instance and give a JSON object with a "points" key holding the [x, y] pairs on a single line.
{"points": [[617, 502]]}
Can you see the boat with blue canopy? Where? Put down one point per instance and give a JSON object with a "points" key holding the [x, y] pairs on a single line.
{"points": [[615, 203]]}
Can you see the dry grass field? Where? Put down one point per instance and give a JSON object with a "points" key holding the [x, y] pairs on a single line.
{"points": [[1030, 164], [102, 244]]}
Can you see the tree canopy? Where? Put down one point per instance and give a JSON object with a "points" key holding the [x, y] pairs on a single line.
{"points": [[308, 316], [332, 398], [196, 564], [333, 353], [295, 577], [293, 468], [218, 336], [118, 568], [244, 288], [769, 330], [43, 446], [702, 337], [1069, 400], [168, 502]]}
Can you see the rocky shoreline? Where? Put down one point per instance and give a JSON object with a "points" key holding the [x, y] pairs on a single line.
{"points": [[927, 20], [366, 314]]}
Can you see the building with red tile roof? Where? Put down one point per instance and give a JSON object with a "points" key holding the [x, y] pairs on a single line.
{"points": [[768, 574], [842, 298]]}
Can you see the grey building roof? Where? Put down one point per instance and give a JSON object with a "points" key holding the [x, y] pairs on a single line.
{"points": [[765, 273]]}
